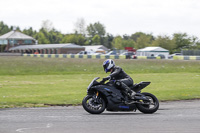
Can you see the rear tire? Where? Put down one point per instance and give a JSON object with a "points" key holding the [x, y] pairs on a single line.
{"points": [[147, 108], [94, 105]]}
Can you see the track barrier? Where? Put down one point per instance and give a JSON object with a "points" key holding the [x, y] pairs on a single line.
{"points": [[76, 56], [186, 57]]}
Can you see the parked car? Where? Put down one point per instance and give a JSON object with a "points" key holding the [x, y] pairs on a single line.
{"points": [[129, 55], [112, 53], [161, 56], [82, 52], [172, 55], [88, 53]]}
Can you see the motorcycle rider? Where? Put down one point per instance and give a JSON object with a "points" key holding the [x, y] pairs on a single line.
{"points": [[121, 79]]}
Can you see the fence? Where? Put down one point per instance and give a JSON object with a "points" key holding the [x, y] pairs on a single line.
{"points": [[105, 56], [10, 54], [191, 52], [77, 56], [186, 57], [85, 56]]}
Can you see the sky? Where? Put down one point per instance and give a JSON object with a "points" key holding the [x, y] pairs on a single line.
{"points": [[157, 17]]}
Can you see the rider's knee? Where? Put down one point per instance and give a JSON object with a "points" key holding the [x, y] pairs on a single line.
{"points": [[118, 83]]}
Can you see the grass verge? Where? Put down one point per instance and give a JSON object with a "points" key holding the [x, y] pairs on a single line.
{"points": [[35, 82], [41, 90], [63, 66]]}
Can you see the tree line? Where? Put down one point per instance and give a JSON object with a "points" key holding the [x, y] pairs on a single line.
{"points": [[95, 34]]}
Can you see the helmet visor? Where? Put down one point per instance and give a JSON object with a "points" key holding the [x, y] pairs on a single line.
{"points": [[105, 66]]}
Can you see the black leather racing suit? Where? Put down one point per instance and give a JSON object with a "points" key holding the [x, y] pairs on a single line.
{"points": [[122, 80]]}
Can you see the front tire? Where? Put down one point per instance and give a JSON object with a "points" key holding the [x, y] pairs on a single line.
{"points": [[146, 107], [93, 104]]}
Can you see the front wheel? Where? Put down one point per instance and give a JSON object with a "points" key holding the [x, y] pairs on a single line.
{"points": [[94, 104], [148, 107]]}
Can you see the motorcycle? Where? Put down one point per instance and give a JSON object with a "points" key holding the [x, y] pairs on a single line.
{"points": [[101, 96]]}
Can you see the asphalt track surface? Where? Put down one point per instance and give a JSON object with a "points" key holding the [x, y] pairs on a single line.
{"points": [[172, 117]]}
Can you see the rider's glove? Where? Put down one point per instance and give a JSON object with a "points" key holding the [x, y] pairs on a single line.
{"points": [[106, 78]]}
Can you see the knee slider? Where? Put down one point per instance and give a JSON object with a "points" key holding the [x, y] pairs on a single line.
{"points": [[118, 83]]}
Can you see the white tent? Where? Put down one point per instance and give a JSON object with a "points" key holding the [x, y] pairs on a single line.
{"points": [[152, 52]]}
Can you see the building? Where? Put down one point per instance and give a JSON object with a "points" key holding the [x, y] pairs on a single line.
{"points": [[17, 42], [68, 48], [15, 38], [153, 52]]}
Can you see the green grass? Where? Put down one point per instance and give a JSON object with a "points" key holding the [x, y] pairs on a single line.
{"points": [[51, 66], [27, 82]]}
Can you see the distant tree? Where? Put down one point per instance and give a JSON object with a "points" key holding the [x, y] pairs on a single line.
{"points": [[47, 25], [80, 26], [164, 42], [126, 37], [197, 46], [29, 32], [96, 29], [182, 41], [42, 39], [117, 43], [143, 41], [108, 40], [96, 34], [96, 40], [136, 35], [55, 37], [128, 43], [195, 43], [4, 28], [74, 38]]}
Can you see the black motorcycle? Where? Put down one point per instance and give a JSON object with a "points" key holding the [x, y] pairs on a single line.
{"points": [[101, 96]]}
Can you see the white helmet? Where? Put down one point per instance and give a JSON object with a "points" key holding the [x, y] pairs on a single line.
{"points": [[108, 65]]}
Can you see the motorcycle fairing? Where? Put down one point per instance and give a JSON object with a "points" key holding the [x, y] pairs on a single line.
{"points": [[138, 87], [114, 98]]}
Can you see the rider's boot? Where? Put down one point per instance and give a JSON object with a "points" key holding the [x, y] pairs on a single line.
{"points": [[131, 93]]}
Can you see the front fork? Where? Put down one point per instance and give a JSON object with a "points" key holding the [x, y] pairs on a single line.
{"points": [[97, 94], [96, 97]]}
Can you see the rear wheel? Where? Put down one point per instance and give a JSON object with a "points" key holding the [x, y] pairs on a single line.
{"points": [[94, 104], [150, 106]]}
